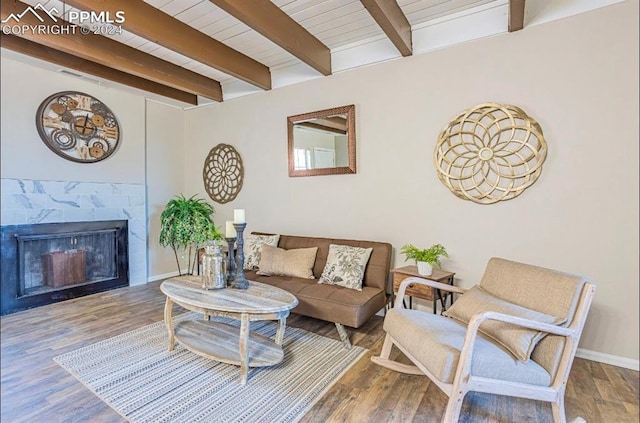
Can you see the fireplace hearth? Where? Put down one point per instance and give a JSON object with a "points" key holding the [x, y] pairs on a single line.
{"points": [[52, 262]]}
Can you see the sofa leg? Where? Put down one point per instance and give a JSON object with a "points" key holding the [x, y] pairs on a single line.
{"points": [[343, 335]]}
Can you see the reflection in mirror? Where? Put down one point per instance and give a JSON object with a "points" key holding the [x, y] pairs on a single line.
{"points": [[323, 142]]}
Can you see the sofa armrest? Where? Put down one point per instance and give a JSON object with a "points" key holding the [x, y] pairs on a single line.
{"points": [[433, 284]]}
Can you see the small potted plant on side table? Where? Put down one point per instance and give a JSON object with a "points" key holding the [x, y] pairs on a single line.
{"points": [[425, 258]]}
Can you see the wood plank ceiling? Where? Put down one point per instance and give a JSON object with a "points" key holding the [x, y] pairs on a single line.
{"points": [[182, 49]]}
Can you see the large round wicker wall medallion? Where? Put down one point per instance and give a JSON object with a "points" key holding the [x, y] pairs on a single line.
{"points": [[489, 153], [223, 173]]}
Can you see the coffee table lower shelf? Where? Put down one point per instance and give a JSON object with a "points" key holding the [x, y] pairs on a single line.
{"points": [[220, 342]]}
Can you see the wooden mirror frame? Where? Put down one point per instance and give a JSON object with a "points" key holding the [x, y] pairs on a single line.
{"points": [[350, 111]]}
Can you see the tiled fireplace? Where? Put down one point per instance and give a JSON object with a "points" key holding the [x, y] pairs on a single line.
{"points": [[74, 230]]}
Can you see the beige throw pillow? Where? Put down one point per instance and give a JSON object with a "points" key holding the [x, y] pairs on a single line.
{"points": [[345, 266], [516, 339], [297, 262], [253, 248]]}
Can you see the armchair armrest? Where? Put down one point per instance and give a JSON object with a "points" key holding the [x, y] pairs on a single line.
{"points": [[433, 284], [477, 319], [464, 364]]}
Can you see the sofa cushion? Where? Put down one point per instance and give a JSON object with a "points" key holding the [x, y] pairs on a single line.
{"points": [[253, 248], [518, 340], [328, 302], [276, 261], [288, 283], [436, 342], [338, 304], [345, 266]]}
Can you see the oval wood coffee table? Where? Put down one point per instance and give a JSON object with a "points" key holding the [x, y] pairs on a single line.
{"points": [[221, 341]]}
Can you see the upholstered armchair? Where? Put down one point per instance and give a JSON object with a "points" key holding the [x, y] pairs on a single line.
{"points": [[515, 334]]}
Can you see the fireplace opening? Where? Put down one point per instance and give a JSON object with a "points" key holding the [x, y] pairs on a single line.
{"points": [[46, 263]]}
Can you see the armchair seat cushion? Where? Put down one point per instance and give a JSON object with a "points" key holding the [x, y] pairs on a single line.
{"points": [[436, 342]]}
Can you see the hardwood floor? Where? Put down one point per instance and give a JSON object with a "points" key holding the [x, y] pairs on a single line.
{"points": [[35, 389]]}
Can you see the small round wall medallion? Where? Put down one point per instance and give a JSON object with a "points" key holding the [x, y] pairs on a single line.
{"points": [[78, 127], [489, 153], [223, 173]]}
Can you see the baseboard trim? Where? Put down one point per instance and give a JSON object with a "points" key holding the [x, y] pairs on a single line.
{"points": [[163, 276], [614, 360]]}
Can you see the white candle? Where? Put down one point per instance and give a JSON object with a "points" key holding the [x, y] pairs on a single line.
{"points": [[230, 230], [238, 216]]}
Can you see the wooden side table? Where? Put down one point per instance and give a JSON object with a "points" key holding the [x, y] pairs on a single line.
{"points": [[421, 291]]}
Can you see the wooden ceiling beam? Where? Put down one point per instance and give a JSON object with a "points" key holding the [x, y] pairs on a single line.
{"points": [[333, 122], [266, 18], [29, 48], [516, 15], [319, 127], [156, 26], [119, 56], [393, 22]]}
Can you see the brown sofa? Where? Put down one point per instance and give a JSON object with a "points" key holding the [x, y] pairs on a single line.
{"points": [[342, 306]]}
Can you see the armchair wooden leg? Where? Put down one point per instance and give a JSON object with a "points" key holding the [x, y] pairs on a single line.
{"points": [[386, 347], [454, 406], [343, 335], [558, 409]]}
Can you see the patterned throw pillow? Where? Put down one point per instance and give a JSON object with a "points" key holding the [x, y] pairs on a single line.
{"points": [[345, 266], [253, 248]]}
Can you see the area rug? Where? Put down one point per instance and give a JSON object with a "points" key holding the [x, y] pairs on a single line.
{"points": [[138, 377]]}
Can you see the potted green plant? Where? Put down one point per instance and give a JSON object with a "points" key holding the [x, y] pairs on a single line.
{"points": [[425, 258], [186, 223]]}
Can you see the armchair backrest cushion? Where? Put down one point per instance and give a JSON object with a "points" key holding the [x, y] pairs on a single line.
{"points": [[547, 291]]}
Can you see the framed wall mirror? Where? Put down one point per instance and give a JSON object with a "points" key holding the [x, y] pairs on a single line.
{"points": [[323, 142]]}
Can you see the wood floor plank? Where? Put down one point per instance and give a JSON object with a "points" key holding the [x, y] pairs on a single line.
{"points": [[411, 391], [36, 389]]}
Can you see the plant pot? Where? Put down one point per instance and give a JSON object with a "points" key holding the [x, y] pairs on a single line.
{"points": [[424, 268]]}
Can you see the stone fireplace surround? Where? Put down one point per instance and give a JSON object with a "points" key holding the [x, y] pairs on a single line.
{"points": [[26, 201]]}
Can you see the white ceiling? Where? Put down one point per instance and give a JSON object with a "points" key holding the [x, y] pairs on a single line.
{"points": [[344, 26]]}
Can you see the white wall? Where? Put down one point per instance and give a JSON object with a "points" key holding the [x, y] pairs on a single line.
{"points": [[310, 139], [25, 156], [577, 76], [165, 178], [151, 153]]}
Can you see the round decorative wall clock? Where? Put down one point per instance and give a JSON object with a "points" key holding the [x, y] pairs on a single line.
{"points": [[489, 153], [223, 173], [78, 127]]}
